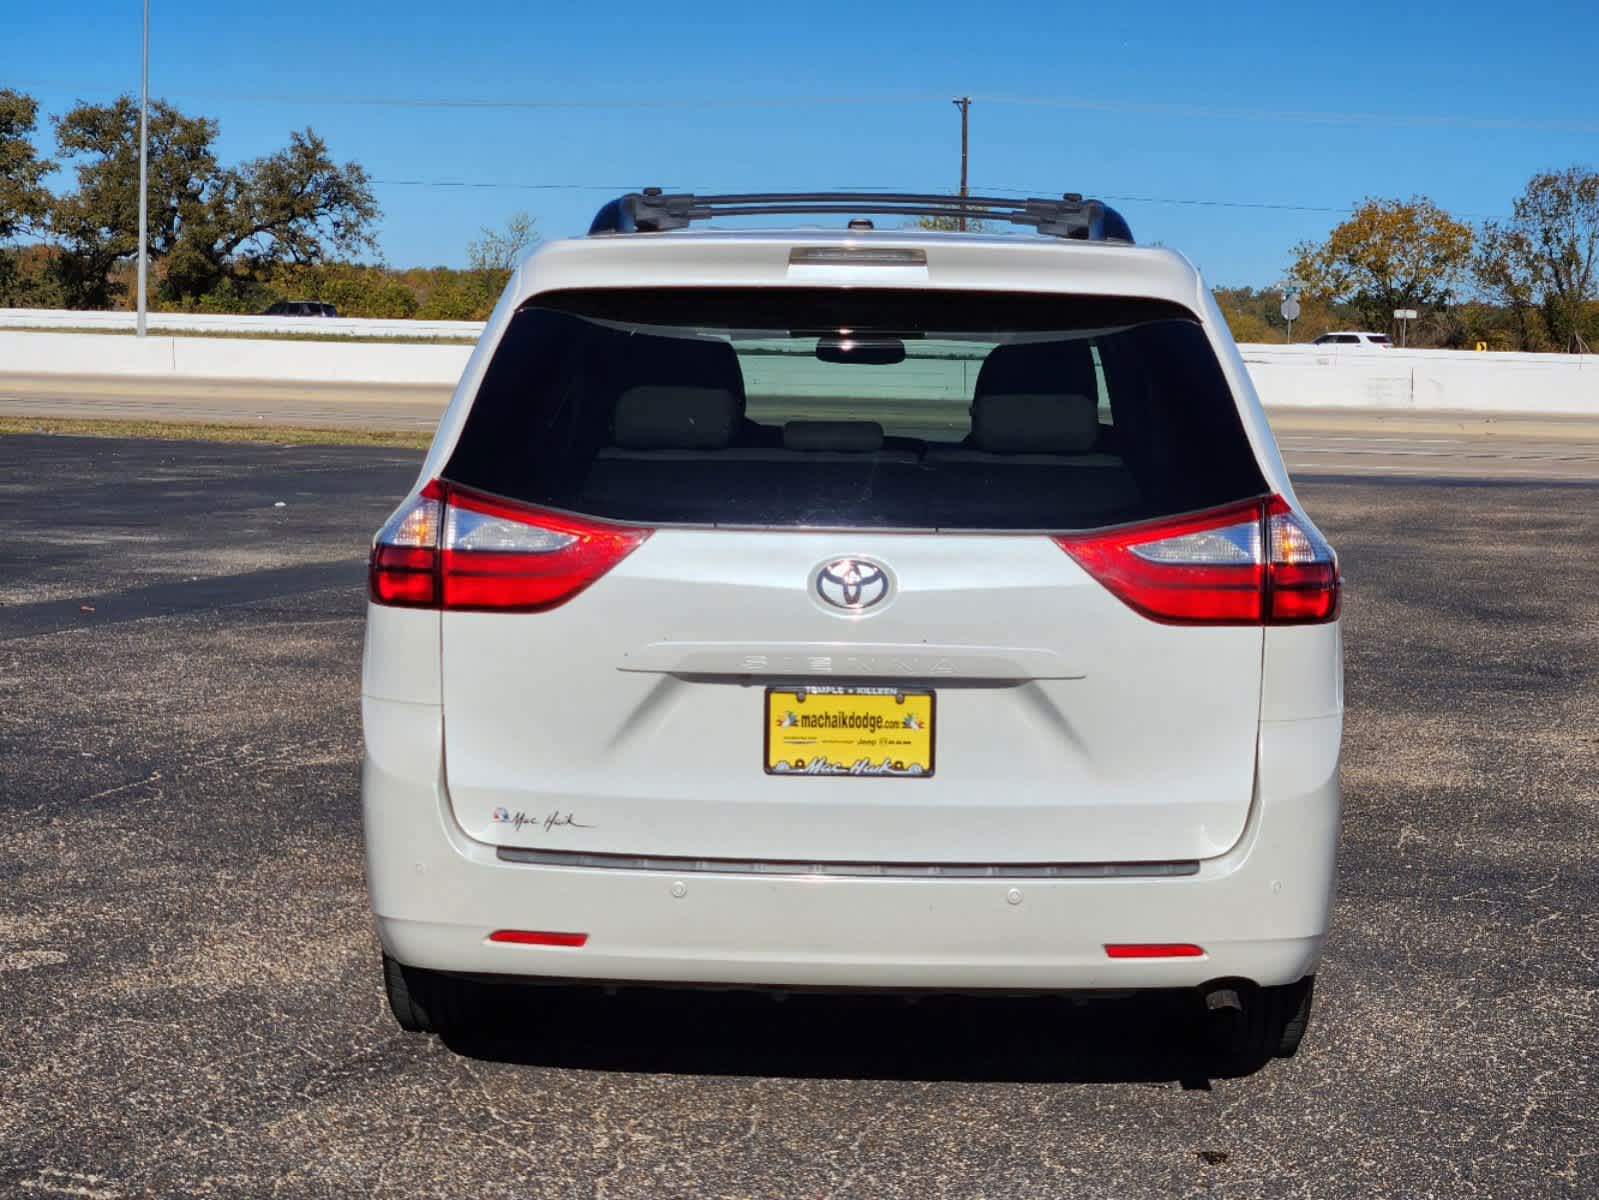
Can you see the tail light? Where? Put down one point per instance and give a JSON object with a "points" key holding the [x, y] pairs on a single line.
{"points": [[1255, 563], [1153, 950], [538, 937], [456, 549]]}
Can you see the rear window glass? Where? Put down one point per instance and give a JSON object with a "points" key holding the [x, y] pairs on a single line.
{"points": [[856, 408]]}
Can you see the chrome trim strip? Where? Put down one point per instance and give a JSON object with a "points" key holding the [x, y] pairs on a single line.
{"points": [[854, 870]]}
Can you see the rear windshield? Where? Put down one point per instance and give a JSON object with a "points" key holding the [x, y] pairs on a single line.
{"points": [[856, 408]]}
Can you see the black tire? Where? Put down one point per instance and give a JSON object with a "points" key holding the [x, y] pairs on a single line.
{"points": [[1294, 1002], [1245, 1026], [426, 1002]]}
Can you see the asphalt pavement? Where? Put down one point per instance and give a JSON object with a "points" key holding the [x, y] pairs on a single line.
{"points": [[189, 994], [312, 405]]}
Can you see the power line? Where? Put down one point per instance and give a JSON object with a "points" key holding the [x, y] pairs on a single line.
{"points": [[613, 188], [1303, 116], [1126, 199], [1084, 104], [867, 189], [505, 102], [864, 190]]}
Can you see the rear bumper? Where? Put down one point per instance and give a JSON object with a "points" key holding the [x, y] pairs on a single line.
{"points": [[1260, 911]]}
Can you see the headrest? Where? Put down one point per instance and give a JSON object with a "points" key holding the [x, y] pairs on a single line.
{"points": [[643, 358], [668, 417], [849, 436], [1022, 423], [1039, 369]]}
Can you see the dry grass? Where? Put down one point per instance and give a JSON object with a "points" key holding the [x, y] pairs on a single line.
{"points": [[195, 431]]}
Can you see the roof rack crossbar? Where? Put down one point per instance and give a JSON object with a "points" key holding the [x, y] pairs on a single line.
{"points": [[654, 211]]}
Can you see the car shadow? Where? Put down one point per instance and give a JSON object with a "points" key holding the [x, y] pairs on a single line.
{"points": [[1147, 1038]]}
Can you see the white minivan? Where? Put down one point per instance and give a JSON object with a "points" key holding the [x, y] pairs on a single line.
{"points": [[855, 608]]}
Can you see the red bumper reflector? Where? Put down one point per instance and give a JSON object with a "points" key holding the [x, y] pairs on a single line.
{"points": [[538, 937], [1154, 950]]}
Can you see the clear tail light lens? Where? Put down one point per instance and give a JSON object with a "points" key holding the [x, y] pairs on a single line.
{"points": [[1303, 586], [459, 550], [1255, 563], [404, 568]]}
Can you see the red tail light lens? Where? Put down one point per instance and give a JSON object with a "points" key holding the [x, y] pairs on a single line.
{"points": [[1154, 950], [538, 937], [1253, 563], [459, 550], [505, 557]]}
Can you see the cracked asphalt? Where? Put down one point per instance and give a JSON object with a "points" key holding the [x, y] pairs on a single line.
{"points": [[189, 995]]}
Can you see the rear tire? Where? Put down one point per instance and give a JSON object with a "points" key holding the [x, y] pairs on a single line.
{"points": [[1295, 1001], [424, 1001], [1246, 1026]]}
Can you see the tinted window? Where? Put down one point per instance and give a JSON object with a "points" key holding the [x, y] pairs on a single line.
{"points": [[859, 408]]}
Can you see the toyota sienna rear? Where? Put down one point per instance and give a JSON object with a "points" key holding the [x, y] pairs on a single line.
{"points": [[864, 609]]}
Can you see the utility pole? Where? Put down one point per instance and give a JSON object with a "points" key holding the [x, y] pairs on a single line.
{"points": [[144, 174], [964, 103]]}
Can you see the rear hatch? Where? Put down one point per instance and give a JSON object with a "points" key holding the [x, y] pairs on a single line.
{"points": [[852, 577]]}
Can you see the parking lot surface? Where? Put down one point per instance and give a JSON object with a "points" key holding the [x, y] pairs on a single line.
{"points": [[189, 995]]}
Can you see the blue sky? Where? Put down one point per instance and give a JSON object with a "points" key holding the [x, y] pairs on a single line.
{"points": [[1462, 99]]}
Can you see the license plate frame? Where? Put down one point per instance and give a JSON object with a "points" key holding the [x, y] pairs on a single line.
{"points": [[871, 757]]}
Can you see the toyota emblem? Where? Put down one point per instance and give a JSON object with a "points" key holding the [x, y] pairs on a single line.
{"points": [[852, 584]]}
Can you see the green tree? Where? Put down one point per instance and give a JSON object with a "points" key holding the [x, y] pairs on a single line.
{"points": [[99, 222], [1507, 277], [1547, 254], [1389, 254], [24, 202], [1255, 315], [500, 250], [206, 221]]}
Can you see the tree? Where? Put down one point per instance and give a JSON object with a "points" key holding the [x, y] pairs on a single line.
{"points": [[1548, 253], [1255, 315], [500, 251], [24, 202], [1389, 254], [1507, 278], [941, 224], [205, 221], [99, 222]]}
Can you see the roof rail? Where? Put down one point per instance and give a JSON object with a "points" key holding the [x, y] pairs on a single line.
{"points": [[655, 211]]}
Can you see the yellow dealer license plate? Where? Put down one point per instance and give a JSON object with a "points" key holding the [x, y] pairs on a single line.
{"points": [[865, 732]]}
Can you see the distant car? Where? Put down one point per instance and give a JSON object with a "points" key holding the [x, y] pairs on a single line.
{"points": [[1354, 338], [301, 308]]}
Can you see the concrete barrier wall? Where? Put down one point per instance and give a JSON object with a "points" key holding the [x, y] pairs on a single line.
{"points": [[50, 318], [1285, 376], [229, 358], [1322, 377]]}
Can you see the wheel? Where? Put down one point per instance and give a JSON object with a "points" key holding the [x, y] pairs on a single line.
{"points": [[411, 1017], [1295, 1004], [1246, 1026], [426, 1002]]}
